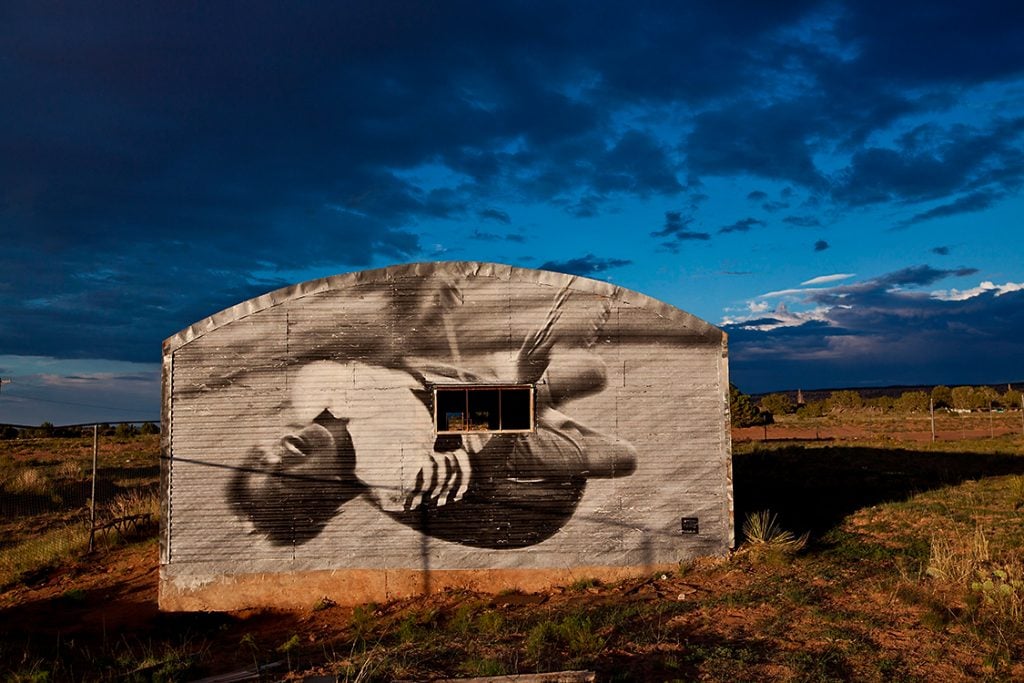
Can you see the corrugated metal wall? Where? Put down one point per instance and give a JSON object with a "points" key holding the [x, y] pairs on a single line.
{"points": [[632, 433]]}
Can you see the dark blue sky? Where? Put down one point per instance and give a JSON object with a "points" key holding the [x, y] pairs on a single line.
{"points": [[837, 184]]}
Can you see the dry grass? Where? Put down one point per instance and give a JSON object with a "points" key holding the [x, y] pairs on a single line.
{"points": [[70, 470], [29, 481], [133, 502], [955, 557]]}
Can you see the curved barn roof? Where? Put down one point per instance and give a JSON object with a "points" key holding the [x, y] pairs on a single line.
{"points": [[466, 269]]}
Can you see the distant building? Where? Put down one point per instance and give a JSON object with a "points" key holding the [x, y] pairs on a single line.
{"points": [[392, 431]]}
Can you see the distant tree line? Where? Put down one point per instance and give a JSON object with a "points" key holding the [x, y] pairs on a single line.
{"points": [[47, 429], [746, 412]]}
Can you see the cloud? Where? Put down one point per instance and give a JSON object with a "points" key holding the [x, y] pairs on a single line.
{"points": [[941, 251], [587, 266], [677, 230], [975, 201], [482, 236], [743, 225], [773, 206], [723, 142], [880, 287], [495, 215], [781, 293], [821, 245], [803, 221], [827, 279], [896, 336], [984, 288], [918, 276], [78, 391], [757, 196], [904, 49], [932, 162]]}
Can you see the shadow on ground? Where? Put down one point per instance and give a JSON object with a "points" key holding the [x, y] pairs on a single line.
{"points": [[813, 489]]}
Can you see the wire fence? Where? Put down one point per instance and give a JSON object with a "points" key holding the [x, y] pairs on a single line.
{"points": [[944, 426], [62, 495]]}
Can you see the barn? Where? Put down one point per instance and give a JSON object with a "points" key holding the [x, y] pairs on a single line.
{"points": [[435, 425]]}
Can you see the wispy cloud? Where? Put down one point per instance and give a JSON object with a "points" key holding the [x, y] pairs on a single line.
{"points": [[827, 279], [677, 230], [496, 215], [588, 265], [742, 225], [803, 221]]}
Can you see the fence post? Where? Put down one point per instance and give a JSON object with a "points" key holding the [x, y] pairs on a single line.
{"points": [[931, 411], [92, 499]]}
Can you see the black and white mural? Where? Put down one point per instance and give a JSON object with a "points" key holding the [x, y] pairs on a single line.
{"points": [[444, 416]]}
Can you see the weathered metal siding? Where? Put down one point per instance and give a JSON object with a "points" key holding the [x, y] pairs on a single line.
{"points": [[617, 371]]}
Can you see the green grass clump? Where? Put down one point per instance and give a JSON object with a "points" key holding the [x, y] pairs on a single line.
{"points": [[483, 666], [573, 635]]}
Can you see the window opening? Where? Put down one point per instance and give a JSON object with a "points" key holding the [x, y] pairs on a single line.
{"points": [[489, 409]]}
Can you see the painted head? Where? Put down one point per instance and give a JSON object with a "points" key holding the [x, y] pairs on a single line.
{"points": [[289, 490]]}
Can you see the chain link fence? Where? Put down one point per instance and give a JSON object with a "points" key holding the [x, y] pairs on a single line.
{"points": [[55, 504]]}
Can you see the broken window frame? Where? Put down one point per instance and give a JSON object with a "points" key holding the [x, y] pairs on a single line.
{"points": [[468, 389]]}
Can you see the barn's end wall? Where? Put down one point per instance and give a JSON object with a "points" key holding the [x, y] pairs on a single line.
{"points": [[301, 459]]}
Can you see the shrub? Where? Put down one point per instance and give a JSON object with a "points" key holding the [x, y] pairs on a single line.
{"points": [[778, 404], [839, 401]]}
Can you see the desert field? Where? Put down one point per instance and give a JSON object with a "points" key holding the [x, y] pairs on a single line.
{"points": [[867, 552]]}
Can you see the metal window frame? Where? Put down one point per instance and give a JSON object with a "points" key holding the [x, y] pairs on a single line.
{"points": [[485, 387]]}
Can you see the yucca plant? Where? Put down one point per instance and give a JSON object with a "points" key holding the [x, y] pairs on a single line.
{"points": [[762, 529]]}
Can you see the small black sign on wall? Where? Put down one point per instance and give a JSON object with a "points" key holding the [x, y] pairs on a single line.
{"points": [[691, 525]]}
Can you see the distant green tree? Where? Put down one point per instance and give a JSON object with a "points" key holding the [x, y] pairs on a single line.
{"points": [[912, 402], [963, 398], [126, 429], [883, 404], [778, 404], [942, 396], [742, 411], [985, 397], [1011, 399], [845, 400], [149, 428]]}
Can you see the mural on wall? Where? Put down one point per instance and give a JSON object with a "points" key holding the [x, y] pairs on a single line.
{"points": [[442, 416], [489, 454]]}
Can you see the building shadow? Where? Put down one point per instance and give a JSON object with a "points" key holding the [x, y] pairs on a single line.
{"points": [[813, 489]]}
